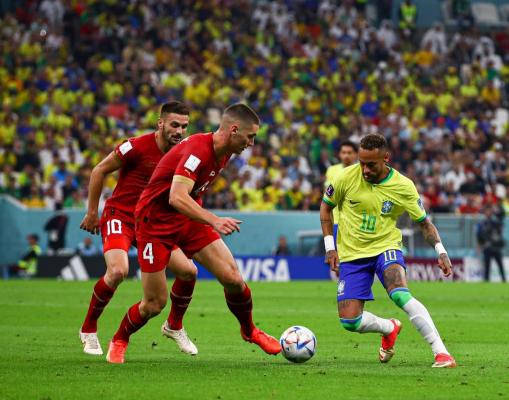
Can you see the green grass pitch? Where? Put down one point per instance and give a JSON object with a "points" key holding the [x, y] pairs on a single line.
{"points": [[41, 357]]}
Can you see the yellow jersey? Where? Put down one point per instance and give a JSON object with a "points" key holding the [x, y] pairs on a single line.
{"points": [[331, 172], [369, 211]]}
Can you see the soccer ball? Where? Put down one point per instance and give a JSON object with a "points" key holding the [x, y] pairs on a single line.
{"points": [[298, 344]]}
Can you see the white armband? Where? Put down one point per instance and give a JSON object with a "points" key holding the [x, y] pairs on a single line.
{"points": [[440, 249], [329, 243]]}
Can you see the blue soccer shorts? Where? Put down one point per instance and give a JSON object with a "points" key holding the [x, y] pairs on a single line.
{"points": [[356, 277]]}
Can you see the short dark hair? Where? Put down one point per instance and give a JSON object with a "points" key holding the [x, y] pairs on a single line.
{"points": [[242, 112], [374, 141], [34, 236], [175, 107], [349, 143]]}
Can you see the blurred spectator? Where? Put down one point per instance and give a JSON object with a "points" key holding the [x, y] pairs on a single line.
{"points": [[386, 35], [282, 248], [435, 38], [407, 18], [27, 265], [461, 12], [491, 240], [87, 248], [56, 228]]}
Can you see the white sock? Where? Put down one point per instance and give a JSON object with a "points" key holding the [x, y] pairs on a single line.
{"points": [[420, 318], [372, 323]]}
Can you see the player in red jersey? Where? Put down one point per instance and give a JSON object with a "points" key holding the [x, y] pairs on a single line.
{"points": [[169, 214], [136, 160]]}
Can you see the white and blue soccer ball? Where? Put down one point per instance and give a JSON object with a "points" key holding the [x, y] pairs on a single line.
{"points": [[298, 344]]}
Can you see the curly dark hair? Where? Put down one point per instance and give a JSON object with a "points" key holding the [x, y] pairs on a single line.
{"points": [[374, 141]]}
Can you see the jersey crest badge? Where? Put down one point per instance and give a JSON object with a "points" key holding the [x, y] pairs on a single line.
{"points": [[341, 288], [329, 191], [387, 207], [192, 163]]}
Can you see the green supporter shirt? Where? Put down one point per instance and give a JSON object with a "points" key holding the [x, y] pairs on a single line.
{"points": [[369, 212]]}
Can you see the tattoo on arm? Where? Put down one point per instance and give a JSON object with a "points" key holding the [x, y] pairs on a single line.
{"points": [[326, 224], [326, 219], [430, 232]]}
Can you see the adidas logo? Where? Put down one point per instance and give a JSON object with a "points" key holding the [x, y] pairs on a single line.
{"points": [[74, 271]]}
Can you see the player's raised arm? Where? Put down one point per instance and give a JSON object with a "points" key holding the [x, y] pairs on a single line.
{"points": [[181, 200], [110, 164], [326, 221], [430, 233]]}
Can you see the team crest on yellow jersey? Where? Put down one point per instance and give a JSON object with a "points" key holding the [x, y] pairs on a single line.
{"points": [[387, 206]]}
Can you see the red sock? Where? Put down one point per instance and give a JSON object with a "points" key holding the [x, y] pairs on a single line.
{"points": [[181, 295], [132, 322], [241, 305], [100, 298]]}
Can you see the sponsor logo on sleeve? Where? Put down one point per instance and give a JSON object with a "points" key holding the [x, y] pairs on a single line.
{"points": [[329, 191], [125, 147], [192, 163]]}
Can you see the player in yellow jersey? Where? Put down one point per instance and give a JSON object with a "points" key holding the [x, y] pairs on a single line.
{"points": [[370, 197], [348, 156]]}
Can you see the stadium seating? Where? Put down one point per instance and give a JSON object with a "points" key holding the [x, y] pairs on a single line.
{"points": [[86, 77], [486, 14]]}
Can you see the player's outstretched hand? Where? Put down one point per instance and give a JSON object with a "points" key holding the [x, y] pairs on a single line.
{"points": [[226, 225], [332, 258], [90, 224], [445, 264]]}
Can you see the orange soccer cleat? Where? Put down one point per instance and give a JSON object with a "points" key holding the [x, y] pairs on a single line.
{"points": [[267, 343], [443, 360], [116, 352], [387, 349]]}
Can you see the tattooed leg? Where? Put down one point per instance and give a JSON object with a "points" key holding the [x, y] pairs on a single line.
{"points": [[394, 277]]}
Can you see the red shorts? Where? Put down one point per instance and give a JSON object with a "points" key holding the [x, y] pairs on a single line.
{"points": [[154, 250], [117, 230]]}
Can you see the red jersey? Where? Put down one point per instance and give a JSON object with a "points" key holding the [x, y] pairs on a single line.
{"points": [[193, 158], [139, 156]]}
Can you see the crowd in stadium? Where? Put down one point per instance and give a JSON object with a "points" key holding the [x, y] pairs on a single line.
{"points": [[78, 77]]}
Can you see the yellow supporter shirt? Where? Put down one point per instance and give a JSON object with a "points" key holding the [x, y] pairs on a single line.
{"points": [[444, 101], [469, 91], [112, 89], [369, 212], [491, 95], [7, 133], [263, 206], [34, 202], [59, 121]]}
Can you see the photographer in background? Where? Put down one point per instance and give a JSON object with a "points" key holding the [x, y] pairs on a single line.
{"points": [[491, 240], [27, 264]]}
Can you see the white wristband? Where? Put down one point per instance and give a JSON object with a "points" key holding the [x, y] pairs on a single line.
{"points": [[329, 243], [440, 249]]}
